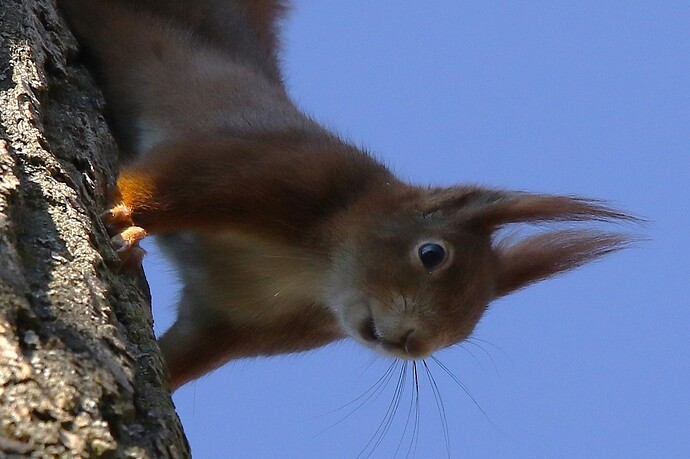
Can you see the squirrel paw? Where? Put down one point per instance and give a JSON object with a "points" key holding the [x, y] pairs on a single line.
{"points": [[125, 236], [117, 219], [128, 239], [126, 244]]}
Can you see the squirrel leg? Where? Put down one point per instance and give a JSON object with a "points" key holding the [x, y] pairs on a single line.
{"points": [[199, 340]]}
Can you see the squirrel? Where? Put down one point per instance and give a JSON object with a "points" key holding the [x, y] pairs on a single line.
{"points": [[285, 236]]}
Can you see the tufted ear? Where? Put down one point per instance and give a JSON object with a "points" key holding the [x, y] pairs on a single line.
{"points": [[541, 254], [534, 258], [523, 261], [492, 208], [516, 207]]}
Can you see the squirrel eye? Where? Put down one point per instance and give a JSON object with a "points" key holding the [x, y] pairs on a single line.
{"points": [[431, 255]]}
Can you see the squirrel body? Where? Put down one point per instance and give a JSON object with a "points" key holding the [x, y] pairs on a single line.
{"points": [[286, 237]]}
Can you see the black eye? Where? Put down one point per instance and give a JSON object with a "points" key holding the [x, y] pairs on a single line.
{"points": [[431, 255]]}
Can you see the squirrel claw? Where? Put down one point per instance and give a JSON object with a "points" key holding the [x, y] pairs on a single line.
{"points": [[125, 235], [117, 219], [126, 244], [127, 239]]}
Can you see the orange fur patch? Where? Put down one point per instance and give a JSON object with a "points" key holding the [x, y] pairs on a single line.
{"points": [[137, 190]]}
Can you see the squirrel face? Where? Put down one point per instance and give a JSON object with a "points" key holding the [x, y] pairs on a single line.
{"points": [[414, 269], [410, 282]]}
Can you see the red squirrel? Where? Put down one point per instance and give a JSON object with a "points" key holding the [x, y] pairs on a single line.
{"points": [[287, 237]]}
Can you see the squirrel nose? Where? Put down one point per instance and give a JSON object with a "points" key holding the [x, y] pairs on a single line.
{"points": [[402, 342]]}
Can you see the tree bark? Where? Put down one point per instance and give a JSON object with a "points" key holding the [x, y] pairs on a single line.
{"points": [[80, 372]]}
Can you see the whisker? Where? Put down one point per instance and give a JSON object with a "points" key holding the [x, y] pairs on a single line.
{"points": [[439, 406], [371, 394], [488, 354], [498, 348], [415, 432], [397, 398], [409, 411], [474, 357], [387, 420], [386, 377], [464, 388], [375, 357], [418, 417]]}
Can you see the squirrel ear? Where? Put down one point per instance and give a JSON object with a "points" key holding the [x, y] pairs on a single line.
{"points": [[516, 207], [460, 200], [529, 260], [523, 261], [490, 209]]}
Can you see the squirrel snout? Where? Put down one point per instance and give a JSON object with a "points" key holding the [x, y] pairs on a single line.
{"points": [[402, 342]]}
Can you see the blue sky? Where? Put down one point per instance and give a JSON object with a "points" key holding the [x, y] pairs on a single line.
{"points": [[589, 98]]}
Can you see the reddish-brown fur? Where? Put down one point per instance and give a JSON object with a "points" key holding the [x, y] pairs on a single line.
{"points": [[209, 18], [279, 186], [223, 341], [288, 238]]}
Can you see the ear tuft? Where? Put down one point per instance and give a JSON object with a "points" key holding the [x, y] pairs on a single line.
{"points": [[534, 258], [523, 261], [535, 208]]}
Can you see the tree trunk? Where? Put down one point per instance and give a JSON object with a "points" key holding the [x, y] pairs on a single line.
{"points": [[80, 372]]}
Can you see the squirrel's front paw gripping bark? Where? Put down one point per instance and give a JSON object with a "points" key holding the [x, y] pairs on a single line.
{"points": [[124, 235]]}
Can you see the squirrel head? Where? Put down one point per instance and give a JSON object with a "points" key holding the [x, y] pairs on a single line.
{"points": [[414, 269]]}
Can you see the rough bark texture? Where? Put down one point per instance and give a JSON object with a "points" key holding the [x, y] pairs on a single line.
{"points": [[80, 372]]}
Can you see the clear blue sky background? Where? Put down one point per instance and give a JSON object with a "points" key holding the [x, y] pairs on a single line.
{"points": [[589, 97]]}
